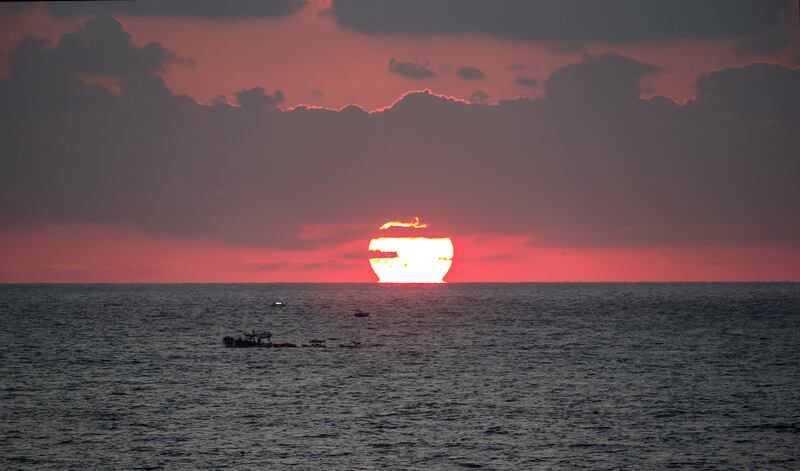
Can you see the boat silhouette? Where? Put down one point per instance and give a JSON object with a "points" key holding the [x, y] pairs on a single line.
{"points": [[252, 339]]}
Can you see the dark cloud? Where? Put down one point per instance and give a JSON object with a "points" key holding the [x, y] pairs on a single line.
{"points": [[103, 47], [211, 9], [574, 20], [416, 70], [619, 78], [470, 73], [256, 97], [525, 81], [589, 165], [479, 96]]}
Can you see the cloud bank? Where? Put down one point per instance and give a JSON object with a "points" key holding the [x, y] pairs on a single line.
{"points": [[590, 165], [568, 20], [208, 9]]}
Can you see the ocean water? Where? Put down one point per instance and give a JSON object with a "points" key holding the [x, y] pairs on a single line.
{"points": [[455, 376]]}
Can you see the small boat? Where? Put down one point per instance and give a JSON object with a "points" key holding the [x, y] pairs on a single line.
{"points": [[353, 344], [252, 339], [278, 304], [360, 313]]}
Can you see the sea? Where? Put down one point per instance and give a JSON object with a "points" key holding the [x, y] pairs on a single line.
{"points": [[495, 376]]}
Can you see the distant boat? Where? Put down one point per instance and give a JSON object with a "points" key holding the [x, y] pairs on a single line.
{"points": [[252, 339], [360, 313], [278, 304]]}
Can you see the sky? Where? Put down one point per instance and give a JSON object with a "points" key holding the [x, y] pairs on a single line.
{"points": [[250, 141]]}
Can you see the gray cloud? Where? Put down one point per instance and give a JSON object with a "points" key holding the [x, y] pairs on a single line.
{"points": [[210, 9], [619, 77], [574, 20], [103, 47], [470, 73], [415, 69], [525, 81], [590, 165], [257, 97]]}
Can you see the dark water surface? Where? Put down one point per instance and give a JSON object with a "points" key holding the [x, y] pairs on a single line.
{"points": [[494, 376]]}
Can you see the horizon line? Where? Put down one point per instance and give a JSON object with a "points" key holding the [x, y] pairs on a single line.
{"points": [[112, 283]]}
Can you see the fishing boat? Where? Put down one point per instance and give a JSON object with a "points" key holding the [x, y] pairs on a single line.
{"points": [[252, 339]]}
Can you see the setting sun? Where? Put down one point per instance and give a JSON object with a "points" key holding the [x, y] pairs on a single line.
{"points": [[411, 259]]}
